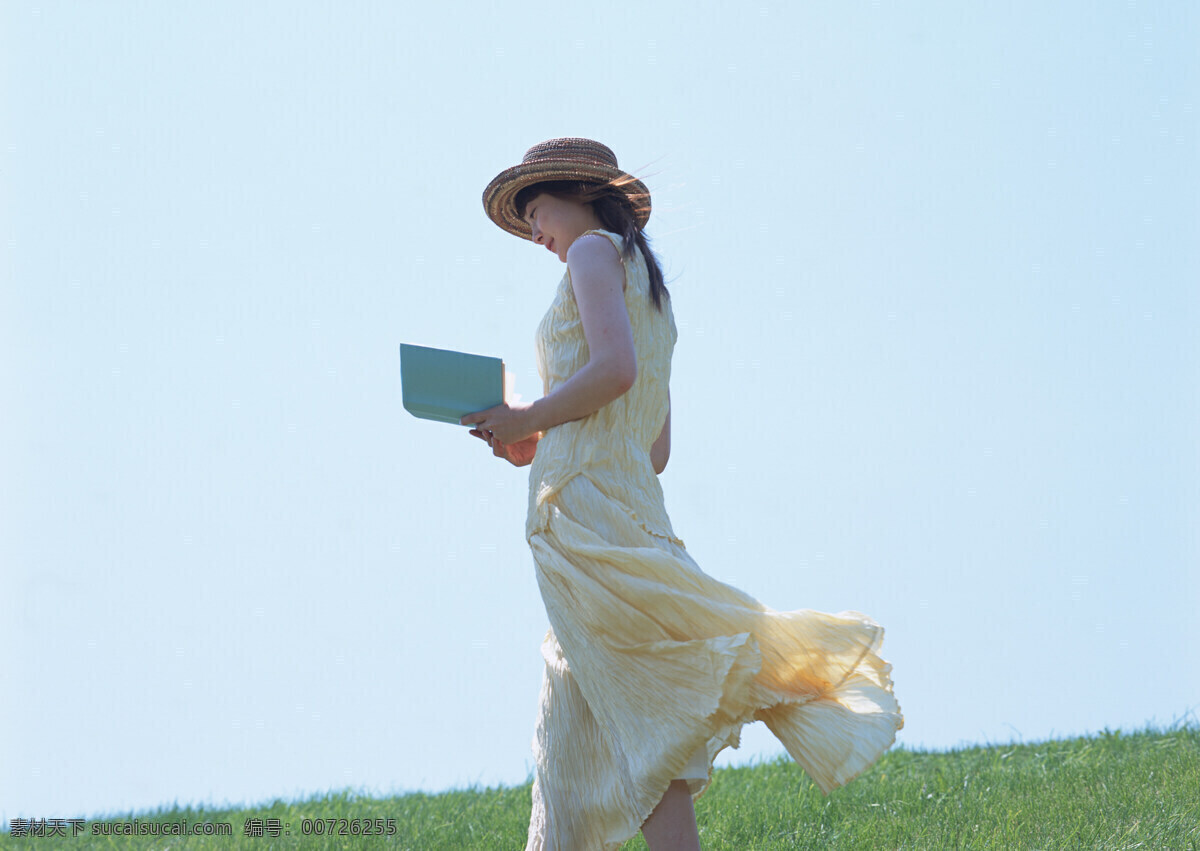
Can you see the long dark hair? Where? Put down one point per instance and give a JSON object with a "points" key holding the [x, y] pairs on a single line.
{"points": [[616, 213]]}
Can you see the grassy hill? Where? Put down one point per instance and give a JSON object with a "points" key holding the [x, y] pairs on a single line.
{"points": [[1114, 790]]}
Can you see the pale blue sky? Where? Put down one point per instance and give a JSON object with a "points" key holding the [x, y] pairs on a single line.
{"points": [[935, 272]]}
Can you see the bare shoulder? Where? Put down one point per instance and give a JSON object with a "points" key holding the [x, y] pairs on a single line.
{"points": [[593, 256]]}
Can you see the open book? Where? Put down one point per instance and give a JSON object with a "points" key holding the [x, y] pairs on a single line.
{"points": [[443, 385]]}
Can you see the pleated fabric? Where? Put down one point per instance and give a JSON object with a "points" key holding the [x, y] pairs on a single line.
{"points": [[651, 664]]}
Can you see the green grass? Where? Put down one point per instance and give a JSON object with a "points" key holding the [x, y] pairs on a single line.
{"points": [[1114, 790]]}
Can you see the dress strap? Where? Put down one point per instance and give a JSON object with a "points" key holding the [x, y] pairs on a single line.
{"points": [[614, 238]]}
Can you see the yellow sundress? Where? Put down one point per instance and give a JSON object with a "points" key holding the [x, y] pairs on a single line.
{"points": [[652, 666]]}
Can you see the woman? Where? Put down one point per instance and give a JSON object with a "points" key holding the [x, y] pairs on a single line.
{"points": [[652, 666]]}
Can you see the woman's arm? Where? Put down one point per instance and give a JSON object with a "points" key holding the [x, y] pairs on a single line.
{"points": [[660, 452], [598, 280]]}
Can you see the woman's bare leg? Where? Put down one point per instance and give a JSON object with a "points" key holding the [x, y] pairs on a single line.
{"points": [[672, 825]]}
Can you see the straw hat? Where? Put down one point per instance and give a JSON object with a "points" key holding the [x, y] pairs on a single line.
{"points": [[560, 159]]}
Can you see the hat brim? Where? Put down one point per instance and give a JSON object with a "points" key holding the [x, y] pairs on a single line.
{"points": [[498, 198]]}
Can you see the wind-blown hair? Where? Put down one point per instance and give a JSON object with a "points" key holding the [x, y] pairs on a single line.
{"points": [[616, 212]]}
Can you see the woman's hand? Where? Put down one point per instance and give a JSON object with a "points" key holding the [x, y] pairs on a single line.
{"points": [[660, 452], [508, 422], [519, 454]]}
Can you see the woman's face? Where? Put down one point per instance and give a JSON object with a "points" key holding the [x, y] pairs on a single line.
{"points": [[557, 222]]}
